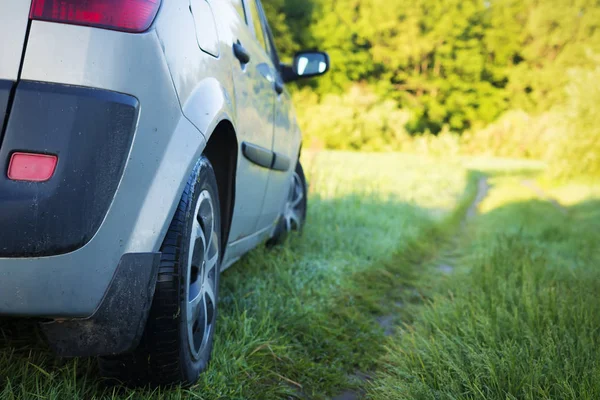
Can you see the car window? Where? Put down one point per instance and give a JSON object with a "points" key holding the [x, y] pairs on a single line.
{"points": [[259, 29], [239, 6], [271, 44]]}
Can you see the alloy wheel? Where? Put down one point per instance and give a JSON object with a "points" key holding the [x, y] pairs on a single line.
{"points": [[202, 276], [293, 214]]}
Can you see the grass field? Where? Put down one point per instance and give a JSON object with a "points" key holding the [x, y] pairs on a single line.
{"points": [[515, 318], [519, 318]]}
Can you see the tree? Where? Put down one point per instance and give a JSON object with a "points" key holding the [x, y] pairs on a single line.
{"points": [[454, 64]]}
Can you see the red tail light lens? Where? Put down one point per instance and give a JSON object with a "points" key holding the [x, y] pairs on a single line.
{"points": [[122, 15]]}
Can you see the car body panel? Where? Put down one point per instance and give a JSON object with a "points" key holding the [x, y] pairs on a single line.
{"points": [[157, 154], [89, 131], [254, 97], [286, 143], [206, 27], [165, 149], [240, 247], [184, 90], [5, 92], [207, 93], [286, 135], [14, 18]]}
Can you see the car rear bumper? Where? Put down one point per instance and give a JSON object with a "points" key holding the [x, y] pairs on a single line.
{"points": [[90, 131]]}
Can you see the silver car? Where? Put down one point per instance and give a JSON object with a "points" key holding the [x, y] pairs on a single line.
{"points": [[146, 145]]}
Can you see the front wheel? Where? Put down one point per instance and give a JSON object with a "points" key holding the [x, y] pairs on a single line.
{"points": [[293, 217], [178, 339]]}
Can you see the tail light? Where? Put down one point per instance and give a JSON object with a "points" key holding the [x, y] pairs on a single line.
{"points": [[121, 15]]}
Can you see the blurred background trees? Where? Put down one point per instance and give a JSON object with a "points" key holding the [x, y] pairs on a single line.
{"points": [[515, 72]]}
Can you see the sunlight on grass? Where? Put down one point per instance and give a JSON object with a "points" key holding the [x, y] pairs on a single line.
{"points": [[506, 190], [519, 317], [298, 299], [503, 166], [574, 193], [431, 183], [295, 320]]}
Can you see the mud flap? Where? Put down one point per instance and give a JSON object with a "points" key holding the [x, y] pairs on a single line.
{"points": [[118, 324]]}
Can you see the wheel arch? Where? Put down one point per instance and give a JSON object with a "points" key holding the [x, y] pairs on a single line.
{"points": [[209, 108], [222, 152]]}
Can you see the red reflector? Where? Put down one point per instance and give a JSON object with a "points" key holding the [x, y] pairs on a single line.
{"points": [[31, 167], [123, 15]]}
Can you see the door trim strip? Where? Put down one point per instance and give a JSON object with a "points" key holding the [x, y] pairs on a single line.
{"points": [[258, 155], [265, 158]]}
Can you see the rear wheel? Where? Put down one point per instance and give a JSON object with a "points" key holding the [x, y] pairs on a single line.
{"points": [[178, 338], [294, 213]]}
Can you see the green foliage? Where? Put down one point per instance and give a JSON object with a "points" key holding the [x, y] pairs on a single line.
{"points": [[357, 119], [557, 35], [515, 134], [439, 65], [577, 151], [511, 75], [453, 63], [567, 137], [286, 43]]}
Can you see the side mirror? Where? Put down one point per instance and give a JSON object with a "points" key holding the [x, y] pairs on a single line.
{"points": [[307, 64], [311, 63]]}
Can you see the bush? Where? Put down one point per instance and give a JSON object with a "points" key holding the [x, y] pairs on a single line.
{"points": [[567, 137], [356, 120], [515, 134], [577, 150]]}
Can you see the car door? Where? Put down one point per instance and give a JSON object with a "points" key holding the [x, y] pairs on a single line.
{"points": [[255, 97], [286, 143]]}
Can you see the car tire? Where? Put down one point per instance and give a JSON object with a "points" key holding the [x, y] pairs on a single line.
{"points": [[177, 342], [293, 217]]}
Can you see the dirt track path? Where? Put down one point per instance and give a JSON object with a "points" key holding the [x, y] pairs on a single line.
{"points": [[445, 266]]}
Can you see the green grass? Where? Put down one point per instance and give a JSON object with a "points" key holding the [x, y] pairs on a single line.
{"points": [[300, 320], [519, 318]]}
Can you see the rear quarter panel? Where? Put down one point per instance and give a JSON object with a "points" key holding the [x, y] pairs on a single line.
{"points": [[165, 147], [14, 17], [202, 81], [207, 93]]}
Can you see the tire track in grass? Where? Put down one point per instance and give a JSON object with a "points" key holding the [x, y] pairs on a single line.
{"points": [[483, 188], [448, 255], [388, 322], [522, 299]]}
